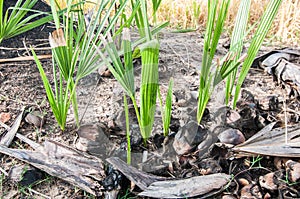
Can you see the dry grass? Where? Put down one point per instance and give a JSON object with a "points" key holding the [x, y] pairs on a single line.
{"points": [[182, 14], [191, 14]]}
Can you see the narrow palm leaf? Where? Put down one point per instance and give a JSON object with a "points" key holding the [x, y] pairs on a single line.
{"points": [[236, 44], [149, 85], [256, 43]]}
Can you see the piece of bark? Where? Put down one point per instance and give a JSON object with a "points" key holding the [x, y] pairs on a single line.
{"points": [[77, 168], [190, 187], [140, 178], [10, 134]]}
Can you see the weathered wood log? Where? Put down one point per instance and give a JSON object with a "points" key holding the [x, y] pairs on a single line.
{"points": [[77, 168]]}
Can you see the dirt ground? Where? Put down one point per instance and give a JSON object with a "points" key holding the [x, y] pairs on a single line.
{"points": [[100, 102]]}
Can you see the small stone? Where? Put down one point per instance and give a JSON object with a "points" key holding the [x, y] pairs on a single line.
{"points": [[280, 162], [267, 196], [93, 138], [293, 170], [4, 117], [250, 191], [35, 118], [232, 117], [187, 137], [209, 166], [227, 196], [267, 181], [104, 72], [243, 181], [231, 136]]}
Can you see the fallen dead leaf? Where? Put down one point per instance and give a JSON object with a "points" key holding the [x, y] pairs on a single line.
{"points": [[4, 117]]}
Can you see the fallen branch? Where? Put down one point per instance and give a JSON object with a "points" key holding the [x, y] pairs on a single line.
{"points": [[77, 168], [27, 58]]}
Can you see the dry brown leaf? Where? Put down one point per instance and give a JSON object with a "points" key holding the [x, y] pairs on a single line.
{"points": [[4, 117], [57, 38]]}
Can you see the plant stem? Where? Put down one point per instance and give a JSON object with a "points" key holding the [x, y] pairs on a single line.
{"points": [[127, 130]]}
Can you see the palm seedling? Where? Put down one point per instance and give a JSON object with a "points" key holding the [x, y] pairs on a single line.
{"points": [[236, 44], [149, 75], [211, 76], [149, 83], [77, 57], [14, 21]]}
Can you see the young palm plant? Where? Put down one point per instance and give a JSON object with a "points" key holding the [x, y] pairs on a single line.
{"points": [[211, 76], [77, 58], [14, 22], [123, 73], [59, 99], [149, 75], [149, 82], [236, 44]]}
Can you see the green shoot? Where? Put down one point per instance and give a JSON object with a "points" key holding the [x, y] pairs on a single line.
{"points": [[167, 110], [59, 100], [149, 85], [124, 73], [16, 23], [149, 82], [211, 76]]}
